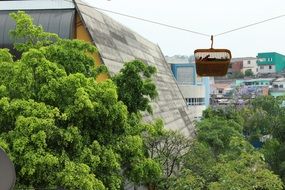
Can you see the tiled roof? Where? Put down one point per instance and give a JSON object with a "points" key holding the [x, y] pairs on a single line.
{"points": [[118, 44]]}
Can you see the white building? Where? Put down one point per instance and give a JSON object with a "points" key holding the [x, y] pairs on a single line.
{"points": [[278, 87], [250, 63], [265, 69]]}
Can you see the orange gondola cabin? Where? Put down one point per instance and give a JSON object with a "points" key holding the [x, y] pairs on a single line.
{"points": [[212, 62]]}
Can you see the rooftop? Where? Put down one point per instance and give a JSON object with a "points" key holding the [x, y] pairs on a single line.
{"points": [[264, 53], [259, 80], [242, 58], [279, 80], [36, 5]]}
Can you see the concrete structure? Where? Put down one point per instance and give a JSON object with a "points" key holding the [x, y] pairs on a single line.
{"points": [[221, 89], [242, 64], [182, 59], [278, 87], [255, 82], [195, 89], [235, 66], [250, 63], [271, 62], [116, 43]]}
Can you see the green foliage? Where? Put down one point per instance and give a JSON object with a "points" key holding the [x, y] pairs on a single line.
{"points": [[5, 56], [168, 148], [248, 73], [73, 55], [268, 104], [135, 87], [257, 123], [222, 158], [32, 36], [217, 133], [267, 119], [227, 113], [146, 170], [82, 180], [187, 181], [243, 168], [60, 126], [201, 160]]}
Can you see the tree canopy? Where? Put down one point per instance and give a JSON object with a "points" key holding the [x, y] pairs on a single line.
{"points": [[60, 126]]}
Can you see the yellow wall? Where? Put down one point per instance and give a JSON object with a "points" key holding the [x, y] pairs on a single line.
{"points": [[82, 34]]}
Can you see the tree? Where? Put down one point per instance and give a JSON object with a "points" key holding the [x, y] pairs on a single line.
{"points": [[217, 132], [273, 148], [135, 87], [186, 180], [59, 125], [168, 148], [222, 158], [244, 168], [248, 73]]}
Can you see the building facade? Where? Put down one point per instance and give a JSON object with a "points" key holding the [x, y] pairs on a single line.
{"points": [[278, 87], [242, 64], [250, 63], [259, 82], [195, 89], [235, 66], [271, 62]]}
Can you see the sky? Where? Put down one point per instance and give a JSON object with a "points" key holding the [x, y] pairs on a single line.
{"points": [[205, 16]]}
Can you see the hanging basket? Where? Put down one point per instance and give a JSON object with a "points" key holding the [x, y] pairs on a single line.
{"points": [[212, 62]]}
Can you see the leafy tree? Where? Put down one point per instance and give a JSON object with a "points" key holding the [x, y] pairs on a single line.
{"points": [[227, 113], [243, 168], [221, 158], [265, 118], [186, 180], [27, 35], [248, 73], [135, 87], [258, 123], [200, 160], [268, 104], [217, 133], [59, 125]]}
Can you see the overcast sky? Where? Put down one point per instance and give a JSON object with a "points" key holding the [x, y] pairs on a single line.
{"points": [[206, 16]]}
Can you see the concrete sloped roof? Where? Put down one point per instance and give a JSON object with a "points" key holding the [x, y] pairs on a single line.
{"points": [[118, 44]]}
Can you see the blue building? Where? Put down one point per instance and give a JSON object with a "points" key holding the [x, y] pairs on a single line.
{"points": [[195, 89]]}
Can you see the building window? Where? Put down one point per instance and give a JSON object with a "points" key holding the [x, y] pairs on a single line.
{"points": [[262, 59], [270, 67], [195, 101], [281, 86], [261, 67], [248, 62]]}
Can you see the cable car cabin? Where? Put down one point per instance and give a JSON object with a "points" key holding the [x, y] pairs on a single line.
{"points": [[212, 62]]}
